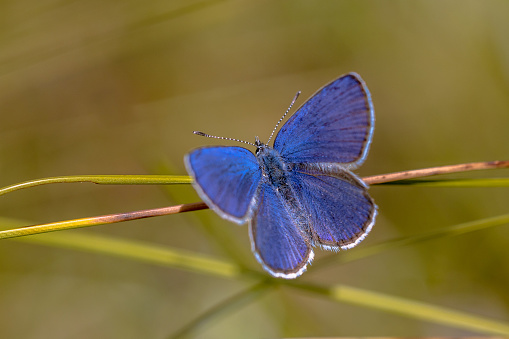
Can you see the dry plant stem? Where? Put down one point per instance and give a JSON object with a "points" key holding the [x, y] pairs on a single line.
{"points": [[100, 220], [114, 218], [426, 172]]}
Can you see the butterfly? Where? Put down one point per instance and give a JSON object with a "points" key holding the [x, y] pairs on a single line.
{"points": [[299, 193]]}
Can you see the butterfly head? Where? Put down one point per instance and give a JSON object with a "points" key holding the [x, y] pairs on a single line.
{"points": [[260, 146]]}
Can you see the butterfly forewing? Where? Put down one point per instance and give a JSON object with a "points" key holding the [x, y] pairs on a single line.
{"points": [[334, 126], [226, 178]]}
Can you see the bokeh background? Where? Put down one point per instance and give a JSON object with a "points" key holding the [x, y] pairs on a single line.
{"points": [[117, 87]]}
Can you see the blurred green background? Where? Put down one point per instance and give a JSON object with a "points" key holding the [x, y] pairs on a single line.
{"points": [[117, 87]]}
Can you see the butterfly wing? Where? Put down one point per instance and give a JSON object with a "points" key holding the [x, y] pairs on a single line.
{"points": [[334, 126], [340, 210], [276, 240], [226, 178]]}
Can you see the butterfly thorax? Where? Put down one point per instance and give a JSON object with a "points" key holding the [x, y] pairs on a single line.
{"points": [[274, 169]]}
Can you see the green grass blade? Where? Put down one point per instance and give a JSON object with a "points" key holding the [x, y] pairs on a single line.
{"points": [[418, 310], [138, 251], [103, 180], [406, 307], [224, 308], [455, 230]]}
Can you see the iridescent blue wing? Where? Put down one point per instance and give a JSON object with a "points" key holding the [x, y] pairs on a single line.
{"points": [[334, 126], [341, 213], [226, 178], [276, 239]]}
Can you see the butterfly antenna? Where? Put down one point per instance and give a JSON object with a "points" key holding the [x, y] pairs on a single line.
{"points": [[223, 138], [288, 110]]}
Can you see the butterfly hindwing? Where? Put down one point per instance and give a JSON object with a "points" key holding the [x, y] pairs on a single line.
{"points": [[276, 239], [334, 126], [226, 178], [341, 213]]}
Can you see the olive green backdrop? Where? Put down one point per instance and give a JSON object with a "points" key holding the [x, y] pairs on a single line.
{"points": [[117, 87]]}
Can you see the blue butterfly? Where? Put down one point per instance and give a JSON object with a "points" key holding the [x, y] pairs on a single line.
{"points": [[299, 193]]}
